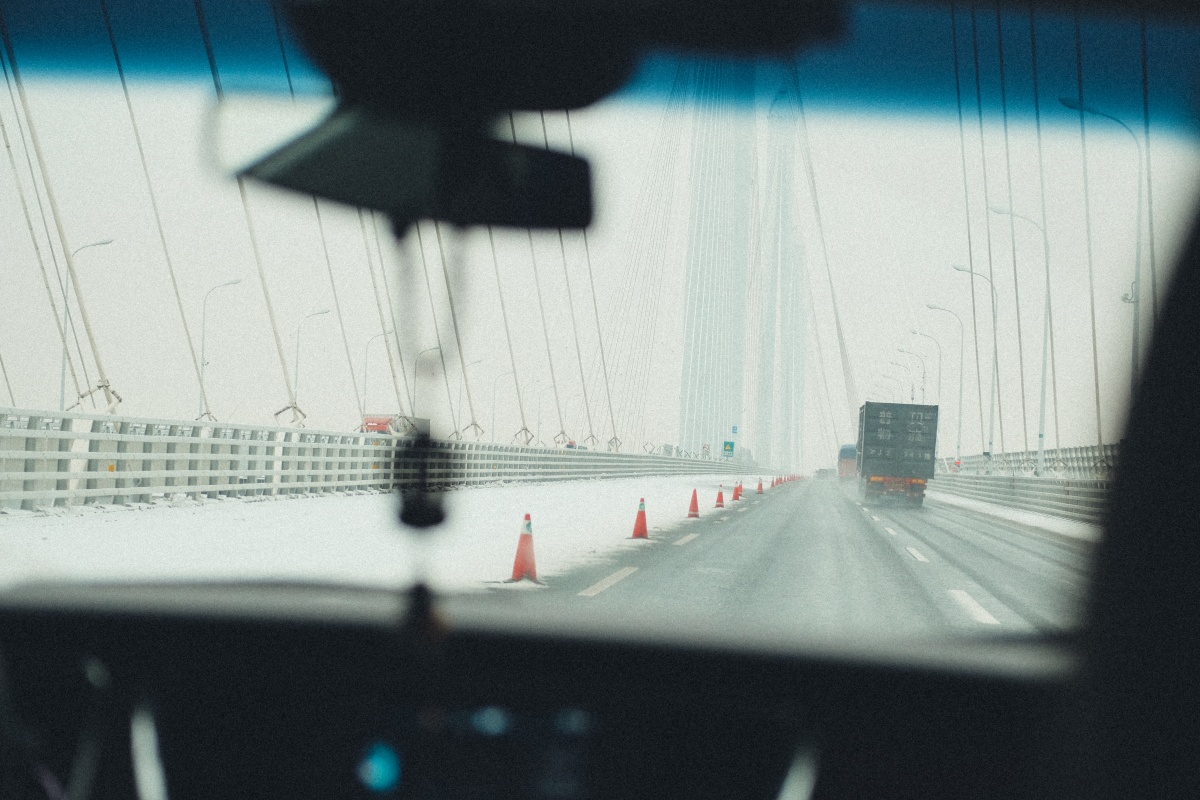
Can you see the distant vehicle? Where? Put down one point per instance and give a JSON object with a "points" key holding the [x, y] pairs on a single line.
{"points": [[847, 461], [825, 474], [896, 444], [377, 423]]}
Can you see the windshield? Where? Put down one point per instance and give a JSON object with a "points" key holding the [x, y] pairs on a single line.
{"points": [[846, 351]]}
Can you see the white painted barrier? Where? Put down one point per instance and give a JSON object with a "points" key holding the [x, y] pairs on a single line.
{"points": [[52, 458], [1082, 500]]}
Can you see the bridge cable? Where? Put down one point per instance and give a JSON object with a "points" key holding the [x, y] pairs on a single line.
{"points": [[524, 435], [562, 249], [362, 224], [560, 437], [359, 399], [1049, 332], [666, 156], [1012, 230], [614, 444], [436, 333], [1087, 217], [962, 143], [297, 415], [462, 356], [111, 397], [387, 291], [1149, 182], [810, 172], [660, 187], [995, 402], [162, 237], [637, 288], [4, 370], [37, 248]]}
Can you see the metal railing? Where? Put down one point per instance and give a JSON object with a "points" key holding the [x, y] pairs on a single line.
{"points": [[63, 458], [1081, 499], [1093, 462]]}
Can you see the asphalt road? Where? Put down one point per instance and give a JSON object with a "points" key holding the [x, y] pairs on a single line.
{"points": [[809, 554]]}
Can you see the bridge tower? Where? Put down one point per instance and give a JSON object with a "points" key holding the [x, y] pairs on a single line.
{"points": [[717, 258]]}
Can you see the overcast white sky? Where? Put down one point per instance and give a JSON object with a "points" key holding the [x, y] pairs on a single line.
{"points": [[891, 196]]}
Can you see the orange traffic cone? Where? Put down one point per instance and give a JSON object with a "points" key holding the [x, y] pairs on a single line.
{"points": [[523, 565], [639, 524], [737, 492], [759, 489], [720, 497], [694, 508]]}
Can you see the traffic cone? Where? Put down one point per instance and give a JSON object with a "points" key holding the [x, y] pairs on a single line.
{"points": [[737, 492], [720, 497], [639, 524], [694, 508], [523, 564], [759, 489]]}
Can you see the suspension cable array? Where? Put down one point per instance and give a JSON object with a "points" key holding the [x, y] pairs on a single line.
{"points": [[58, 322], [111, 397], [162, 238], [587, 408], [298, 416], [561, 437], [524, 435], [437, 334], [387, 290], [962, 141]]}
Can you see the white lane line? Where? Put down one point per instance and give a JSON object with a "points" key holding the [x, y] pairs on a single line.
{"points": [[740, 508], [889, 530], [685, 539], [875, 518], [599, 586], [915, 553], [971, 606]]}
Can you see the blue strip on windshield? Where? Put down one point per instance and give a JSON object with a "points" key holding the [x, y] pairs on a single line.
{"points": [[894, 59]]}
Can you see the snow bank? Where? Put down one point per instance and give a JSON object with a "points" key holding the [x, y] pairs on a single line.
{"points": [[345, 538]]}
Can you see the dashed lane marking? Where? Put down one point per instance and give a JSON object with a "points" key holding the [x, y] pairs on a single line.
{"points": [[971, 606], [599, 586], [875, 518], [685, 539], [915, 553], [889, 530]]}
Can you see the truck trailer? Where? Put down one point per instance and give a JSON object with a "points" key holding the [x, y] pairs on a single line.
{"points": [[896, 446]]}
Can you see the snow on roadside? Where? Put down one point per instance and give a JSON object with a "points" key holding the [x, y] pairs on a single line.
{"points": [[346, 538]]}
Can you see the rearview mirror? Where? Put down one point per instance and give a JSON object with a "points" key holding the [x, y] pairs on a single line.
{"points": [[412, 170]]}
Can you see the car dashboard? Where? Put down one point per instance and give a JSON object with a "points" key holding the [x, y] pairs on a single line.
{"points": [[194, 692]]}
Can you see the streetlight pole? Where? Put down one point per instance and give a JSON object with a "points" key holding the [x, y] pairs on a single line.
{"points": [[1041, 456], [938, 345], [296, 362], [416, 378], [1134, 296], [204, 410], [62, 378], [958, 443], [495, 382], [995, 372], [366, 353], [912, 383], [921, 359]]}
